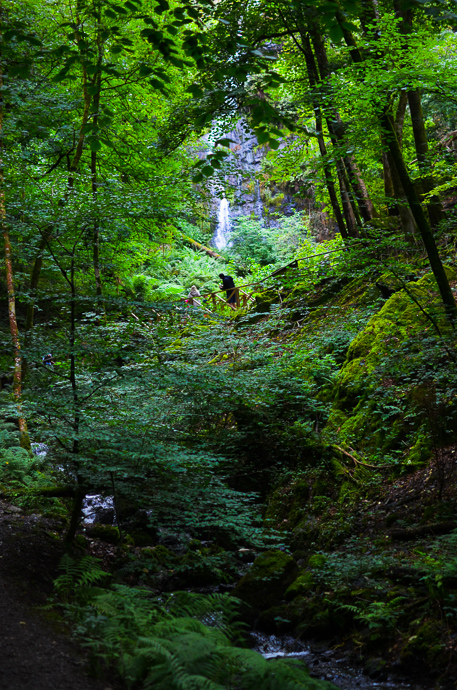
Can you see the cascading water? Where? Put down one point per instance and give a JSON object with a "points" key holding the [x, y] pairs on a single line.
{"points": [[221, 237]]}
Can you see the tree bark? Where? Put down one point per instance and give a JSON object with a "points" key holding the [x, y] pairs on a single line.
{"points": [[414, 203], [349, 208], [426, 183], [336, 130], [78, 500], [313, 79], [93, 168], [420, 218], [434, 207], [14, 330]]}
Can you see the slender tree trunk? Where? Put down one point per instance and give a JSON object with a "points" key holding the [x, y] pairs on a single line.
{"points": [[413, 201], [426, 183], [336, 130], [434, 207], [328, 177], [96, 233], [78, 500], [80, 492], [33, 288], [389, 187], [420, 218], [349, 209], [400, 116], [392, 184], [93, 168], [305, 48], [312, 78], [17, 375], [96, 229]]}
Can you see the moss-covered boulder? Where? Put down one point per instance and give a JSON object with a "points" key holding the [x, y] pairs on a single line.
{"points": [[426, 646], [300, 586], [370, 388], [107, 533], [265, 583]]}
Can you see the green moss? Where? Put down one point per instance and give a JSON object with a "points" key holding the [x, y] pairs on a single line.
{"points": [[357, 416], [420, 451], [159, 553], [267, 580], [317, 561], [286, 505], [302, 585], [106, 533], [426, 644]]}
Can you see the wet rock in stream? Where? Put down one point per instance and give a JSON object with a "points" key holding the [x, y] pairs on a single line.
{"points": [[328, 664]]}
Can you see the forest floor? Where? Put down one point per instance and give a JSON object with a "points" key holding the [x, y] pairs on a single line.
{"points": [[36, 653], [406, 528]]}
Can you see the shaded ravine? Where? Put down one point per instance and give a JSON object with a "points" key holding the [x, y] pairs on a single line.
{"points": [[34, 656], [335, 666]]}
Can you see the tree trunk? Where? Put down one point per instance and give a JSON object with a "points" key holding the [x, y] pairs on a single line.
{"points": [[328, 177], [414, 203], [420, 218], [426, 183], [313, 79], [78, 500], [434, 208], [389, 185], [336, 130], [93, 168], [17, 375], [349, 208]]}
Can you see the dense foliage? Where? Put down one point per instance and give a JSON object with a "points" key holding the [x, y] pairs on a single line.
{"points": [[213, 433]]}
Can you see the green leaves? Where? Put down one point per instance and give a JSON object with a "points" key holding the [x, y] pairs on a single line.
{"points": [[95, 144], [162, 7], [196, 90], [207, 167]]}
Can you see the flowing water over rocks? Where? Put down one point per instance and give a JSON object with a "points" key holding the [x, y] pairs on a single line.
{"points": [[328, 664], [98, 508], [224, 226]]}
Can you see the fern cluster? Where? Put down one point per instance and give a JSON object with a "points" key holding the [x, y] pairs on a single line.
{"points": [[18, 467], [182, 641]]}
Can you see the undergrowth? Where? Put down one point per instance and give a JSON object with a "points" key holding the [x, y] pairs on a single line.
{"points": [[180, 641]]}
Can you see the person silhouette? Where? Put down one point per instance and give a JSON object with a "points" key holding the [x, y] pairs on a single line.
{"points": [[48, 361], [192, 295], [230, 290]]}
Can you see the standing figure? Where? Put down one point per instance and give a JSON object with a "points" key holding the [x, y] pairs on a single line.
{"points": [[229, 286], [48, 361], [192, 295]]}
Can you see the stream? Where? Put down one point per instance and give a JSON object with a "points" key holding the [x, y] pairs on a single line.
{"points": [[323, 663], [328, 664]]}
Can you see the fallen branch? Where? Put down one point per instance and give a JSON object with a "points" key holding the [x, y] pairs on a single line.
{"points": [[47, 491], [359, 462]]}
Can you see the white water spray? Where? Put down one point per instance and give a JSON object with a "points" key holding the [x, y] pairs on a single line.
{"points": [[221, 237]]}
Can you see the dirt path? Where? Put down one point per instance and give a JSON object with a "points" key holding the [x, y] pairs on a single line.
{"points": [[33, 655]]}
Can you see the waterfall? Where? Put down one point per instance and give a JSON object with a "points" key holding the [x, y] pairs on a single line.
{"points": [[222, 234]]}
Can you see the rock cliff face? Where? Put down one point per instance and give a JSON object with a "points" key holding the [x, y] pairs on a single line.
{"points": [[246, 190]]}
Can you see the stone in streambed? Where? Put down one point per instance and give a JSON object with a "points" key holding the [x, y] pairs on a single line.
{"points": [[264, 584]]}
